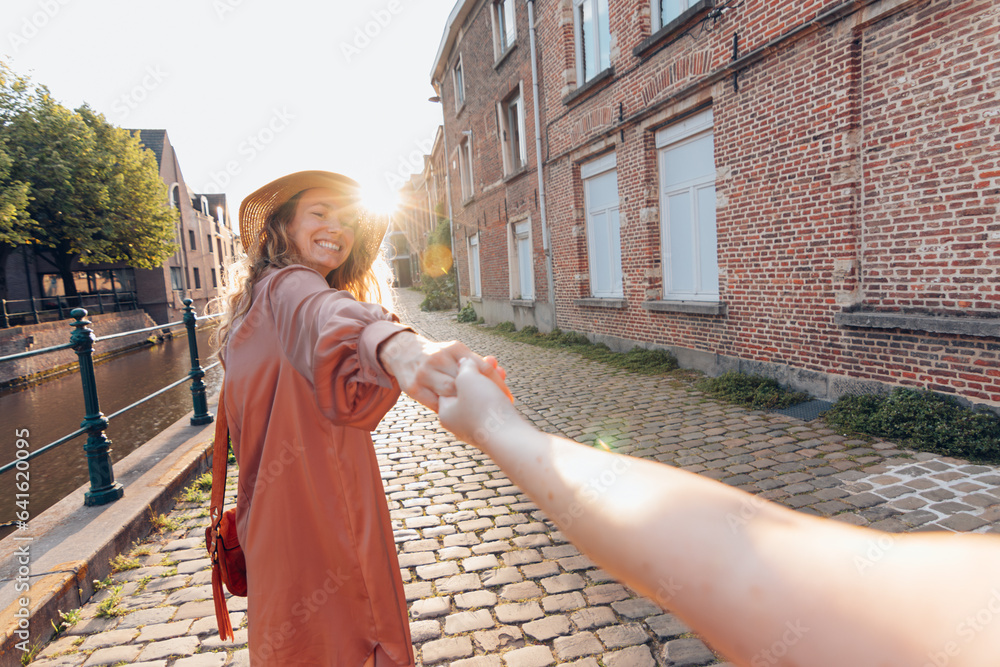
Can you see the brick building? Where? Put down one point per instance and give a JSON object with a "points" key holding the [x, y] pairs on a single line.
{"points": [[483, 75], [807, 190], [206, 248]]}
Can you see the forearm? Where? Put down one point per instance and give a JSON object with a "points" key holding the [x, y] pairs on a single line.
{"points": [[760, 582]]}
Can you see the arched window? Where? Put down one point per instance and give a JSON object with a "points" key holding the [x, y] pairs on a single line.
{"points": [[204, 206], [175, 195]]}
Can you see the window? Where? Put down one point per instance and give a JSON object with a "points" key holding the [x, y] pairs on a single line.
{"points": [[593, 38], [215, 282], [465, 166], [475, 288], [211, 248], [459, 80], [176, 279], [191, 239], [124, 280], [175, 197], [604, 248], [197, 279], [515, 148], [687, 210], [665, 11], [504, 26], [204, 206], [218, 243], [522, 274]]}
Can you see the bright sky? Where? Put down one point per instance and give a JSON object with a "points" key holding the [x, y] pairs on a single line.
{"points": [[248, 90]]}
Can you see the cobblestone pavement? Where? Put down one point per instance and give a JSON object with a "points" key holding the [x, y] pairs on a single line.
{"points": [[489, 580]]}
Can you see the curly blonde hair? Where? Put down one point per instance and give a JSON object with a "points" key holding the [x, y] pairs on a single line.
{"points": [[367, 278]]}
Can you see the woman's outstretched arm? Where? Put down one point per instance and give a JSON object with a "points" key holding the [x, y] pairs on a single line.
{"points": [[761, 583]]}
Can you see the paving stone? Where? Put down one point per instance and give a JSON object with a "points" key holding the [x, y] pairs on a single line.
{"points": [[636, 608], [203, 608], [475, 599], [203, 660], [686, 653], [529, 656], [476, 563], [962, 522], [862, 500], [467, 621], [667, 626], [105, 639], [449, 648], [502, 576], [577, 646], [634, 656], [563, 583], [181, 646], [605, 593], [521, 557], [521, 591], [92, 625], [437, 570], [416, 558], [504, 637], [619, 636], [540, 570], [593, 617], [458, 584], [478, 661], [112, 655], [518, 612], [563, 602], [546, 628], [430, 608], [152, 633]]}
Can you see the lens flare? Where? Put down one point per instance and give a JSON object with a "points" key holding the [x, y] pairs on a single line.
{"points": [[437, 260]]}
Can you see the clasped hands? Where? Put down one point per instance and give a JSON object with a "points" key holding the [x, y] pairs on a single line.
{"points": [[427, 370]]}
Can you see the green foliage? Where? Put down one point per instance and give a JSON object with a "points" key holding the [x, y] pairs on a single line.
{"points": [[437, 272], [468, 314], [121, 563], [921, 420], [109, 608], [751, 391], [94, 193], [637, 360], [204, 483]]}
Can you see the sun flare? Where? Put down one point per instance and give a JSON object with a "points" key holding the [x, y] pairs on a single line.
{"points": [[379, 200]]}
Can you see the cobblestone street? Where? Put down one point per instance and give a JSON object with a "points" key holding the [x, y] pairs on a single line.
{"points": [[489, 580]]}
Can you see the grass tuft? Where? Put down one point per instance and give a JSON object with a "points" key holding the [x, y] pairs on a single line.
{"points": [[751, 391], [921, 420]]}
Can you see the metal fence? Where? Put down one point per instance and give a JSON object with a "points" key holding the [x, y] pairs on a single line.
{"points": [[103, 488], [15, 312]]}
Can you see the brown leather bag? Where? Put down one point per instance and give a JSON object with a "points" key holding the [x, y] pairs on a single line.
{"points": [[229, 566]]}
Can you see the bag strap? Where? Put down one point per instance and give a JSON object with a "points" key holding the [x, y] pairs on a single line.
{"points": [[220, 465]]}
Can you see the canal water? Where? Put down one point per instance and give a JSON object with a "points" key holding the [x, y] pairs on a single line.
{"points": [[53, 409]]}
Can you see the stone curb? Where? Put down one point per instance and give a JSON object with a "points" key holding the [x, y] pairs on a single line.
{"points": [[72, 545]]}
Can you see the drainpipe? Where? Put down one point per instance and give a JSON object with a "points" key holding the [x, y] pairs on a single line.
{"points": [[546, 242], [447, 188]]}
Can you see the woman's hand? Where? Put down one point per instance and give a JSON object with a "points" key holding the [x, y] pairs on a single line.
{"points": [[426, 370], [479, 410]]}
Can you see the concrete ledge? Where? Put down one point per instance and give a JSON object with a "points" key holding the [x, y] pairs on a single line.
{"points": [[71, 544], [691, 307], [593, 302], [964, 326]]}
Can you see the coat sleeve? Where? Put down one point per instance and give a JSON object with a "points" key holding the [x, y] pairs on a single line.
{"points": [[333, 340]]}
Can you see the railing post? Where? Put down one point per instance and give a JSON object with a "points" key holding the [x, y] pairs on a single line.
{"points": [[3, 307], [100, 302], [201, 413], [34, 310], [103, 487]]}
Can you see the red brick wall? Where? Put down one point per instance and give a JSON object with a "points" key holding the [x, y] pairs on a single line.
{"points": [[856, 168], [497, 199]]}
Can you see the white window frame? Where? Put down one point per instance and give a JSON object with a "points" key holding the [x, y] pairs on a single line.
{"points": [[513, 160], [691, 129], [458, 82], [465, 168], [501, 43], [657, 15], [522, 268], [602, 33], [475, 268], [612, 255]]}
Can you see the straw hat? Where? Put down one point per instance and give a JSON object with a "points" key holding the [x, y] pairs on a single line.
{"points": [[255, 209]]}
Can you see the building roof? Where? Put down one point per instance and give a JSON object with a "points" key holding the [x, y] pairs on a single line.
{"points": [[452, 29], [154, 140]]}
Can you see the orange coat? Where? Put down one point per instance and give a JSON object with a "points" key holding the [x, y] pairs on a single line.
{"points": [[304, 390]]}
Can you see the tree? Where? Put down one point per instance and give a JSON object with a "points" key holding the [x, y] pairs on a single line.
{"points": [[16, 226], [96, 193]]}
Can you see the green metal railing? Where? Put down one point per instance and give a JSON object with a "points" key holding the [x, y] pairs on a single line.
{"points": [[103, 487]]}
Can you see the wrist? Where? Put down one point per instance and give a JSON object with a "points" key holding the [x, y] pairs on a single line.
{"points": [[395, 350]]}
